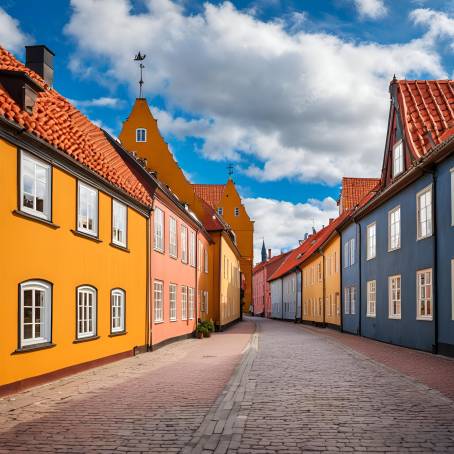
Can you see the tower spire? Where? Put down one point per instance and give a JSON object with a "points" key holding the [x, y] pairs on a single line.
{"points": [[263, 251], [140, 58]]}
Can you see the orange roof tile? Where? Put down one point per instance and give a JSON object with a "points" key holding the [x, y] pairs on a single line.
{"points": [[354, 190], [56, 121], [210, 193], [427, 108]]}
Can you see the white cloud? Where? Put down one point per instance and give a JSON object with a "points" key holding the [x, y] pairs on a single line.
{"points": [[11, 36], [282, 223], [98, 102], [309, 106], [440, 25], [372, 9]]}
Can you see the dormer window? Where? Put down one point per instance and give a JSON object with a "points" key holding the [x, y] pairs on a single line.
{"points": [[220, 211], [398, 158], [141, 135]]}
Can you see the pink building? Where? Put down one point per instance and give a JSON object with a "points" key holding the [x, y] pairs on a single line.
{"points": [[260, 285]]}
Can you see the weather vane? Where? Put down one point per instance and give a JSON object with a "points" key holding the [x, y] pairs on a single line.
{"points": [[230, 170], [140, 58]]}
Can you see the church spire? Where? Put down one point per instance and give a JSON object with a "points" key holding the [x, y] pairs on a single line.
{"points": [[263, 251]]}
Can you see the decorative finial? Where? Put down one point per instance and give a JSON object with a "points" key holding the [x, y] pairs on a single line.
{"points": [[230, 170], [140, 58]]}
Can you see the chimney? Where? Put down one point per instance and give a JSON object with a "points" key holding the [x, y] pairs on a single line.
{"points": [[41, 60], [269, 254], [331, 220]]}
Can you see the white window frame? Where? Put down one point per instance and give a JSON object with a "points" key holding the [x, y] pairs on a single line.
{"points": [[347, 254], [205, 260], [372, 298], [397, 170], [173, 238], [192, 248], [391, 313], [83, 312], [452, 196], [184, 302], [184, 244], [141, 131], [119, 223], [173, 290], [47, 196], [45, 322], [428, 211], [427, 301], [117, 310], [91, 191], [353, 300], [398, 234], [200, 256], [158, 301], [191, 303], [220, 211], [158, 229], [371, 241]]}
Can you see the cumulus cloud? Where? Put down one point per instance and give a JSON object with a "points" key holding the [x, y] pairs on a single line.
{"points": [[283, 223], [371, 9], [440, 25], [98, 102], [11, 36], [304, 105]]}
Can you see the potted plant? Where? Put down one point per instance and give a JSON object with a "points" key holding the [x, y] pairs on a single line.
{"points": [[200, 331]]}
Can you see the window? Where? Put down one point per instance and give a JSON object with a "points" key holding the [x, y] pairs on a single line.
{"points": [[158, 302], [336, 265], [184, 303], [158, 230], [220, 211], [394, 229], [86, 312], [173, 302], [117, 301], [371, 241], [424, 213], [204, 303], [205, 261], [191, 303], [35, 313], [371, 298], [337, 304], [352, 300], [394, 284], [236, 211], [35, 186], [141, 135], [173, 246], [349, 253], [119, 223], [398, 159], [352, 251], [424, 294], [184, 244], [452, 196], [200, 257], [319, 272], [87, 209], [192, 246]]}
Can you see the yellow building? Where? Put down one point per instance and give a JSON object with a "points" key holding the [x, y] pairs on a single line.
{"points": [[331, 257], [75, 218]]}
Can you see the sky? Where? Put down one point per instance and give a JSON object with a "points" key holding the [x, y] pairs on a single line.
{"points": [[294, 93]]}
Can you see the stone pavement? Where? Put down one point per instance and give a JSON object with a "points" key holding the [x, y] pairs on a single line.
{"points": [[296, 389]]}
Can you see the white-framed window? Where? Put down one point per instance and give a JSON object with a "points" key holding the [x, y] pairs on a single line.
{"points": [[200, 257], [184, 244], [158, 302], [86, 312], [141, 135], [349, 253], [204, 302], [424, 294], [35, 186], [173, 241], [353, 300], [220, 211], [352, 251], [394, 288], [236, 211], [35, 313], [117, 301], [394, 229], [192, 248], [205, 260], [319, 272], [398, 158], [184, 302], [424, 213], [452, 196], [173, 302], [119, 223], [158, 229], [337, 304], [371, 298], [87, 209], [336, 265], [191, 298], [371, 239]]}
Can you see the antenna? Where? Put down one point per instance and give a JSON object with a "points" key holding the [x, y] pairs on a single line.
{"points": [[230, 170], [140, 58]]}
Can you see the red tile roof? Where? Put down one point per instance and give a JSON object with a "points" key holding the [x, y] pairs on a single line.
{"points": [[211, 193], [354, 190], [56, 121], [270, 261], [427, 108], [211, 221]]}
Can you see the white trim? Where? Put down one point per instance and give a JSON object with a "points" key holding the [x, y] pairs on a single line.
{"points": [[390, 212], [394, 316], [371, 314], [184, 243], [184, 302], [117, 295], [173, 237], [124, 211], [158, 311], [84, 310], [418, 223], [370, 257], [158, 230], [173, 289], [144, 139], [401, 160], [90, 191], [418, 296]]}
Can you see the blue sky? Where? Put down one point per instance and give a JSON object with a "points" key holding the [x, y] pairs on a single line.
{"points": [[293, 93]]}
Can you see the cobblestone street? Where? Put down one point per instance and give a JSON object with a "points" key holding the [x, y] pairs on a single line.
{"points": [[296, 389]]}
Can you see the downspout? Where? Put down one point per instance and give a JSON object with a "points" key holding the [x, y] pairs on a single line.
{"points": [[360, 284], [150, 316], [147, 270], [220, 278], [341, 282], [196, 296], [282, 299], [296, 295], [323, 287]]}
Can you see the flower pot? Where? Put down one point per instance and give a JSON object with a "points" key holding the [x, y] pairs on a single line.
{"points": [[199, 335]]}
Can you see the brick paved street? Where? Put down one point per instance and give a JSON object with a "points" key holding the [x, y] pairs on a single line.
{"points": [[296, 389]]}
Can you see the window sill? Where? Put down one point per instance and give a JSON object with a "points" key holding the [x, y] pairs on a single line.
{"points": [[85, 339], [119, 333], [394, 317], [86, 236], [161, 251], [33, 348], [371, 316], [371, 258], [424, 319], [119, 246], [173, 256], [173, 320], [25, 215], [395, 249], [158, 322], [424, 237]]}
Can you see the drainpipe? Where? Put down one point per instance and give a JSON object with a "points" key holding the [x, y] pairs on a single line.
{"points": [[149, 283], [341, 281], [296, 296], [323, 287], [360, 285], [220, 278], [147, 268], [282, 299], [196, 287]]}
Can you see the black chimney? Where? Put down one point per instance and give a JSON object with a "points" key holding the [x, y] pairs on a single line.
{"points": [[41, 60]]}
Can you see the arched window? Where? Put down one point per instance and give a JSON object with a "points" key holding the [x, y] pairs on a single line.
{"points": [[141, 135], [86, 312], [117, 310], [35, 313]]}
